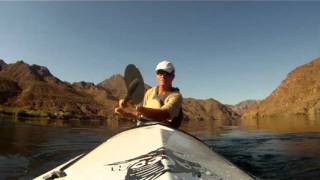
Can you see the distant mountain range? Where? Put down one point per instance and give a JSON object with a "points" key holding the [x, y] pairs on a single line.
{"points": [[31, 90]]}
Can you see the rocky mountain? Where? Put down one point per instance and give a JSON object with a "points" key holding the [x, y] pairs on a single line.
{"points": [[101, 95], [209, 109], [297, 95], [242, 106], [8, 89], [24, 74], [34, 88], [115, 85]]}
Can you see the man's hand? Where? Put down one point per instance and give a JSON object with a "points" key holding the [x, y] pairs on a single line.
{"points": [[126, 109], [122, 103]]}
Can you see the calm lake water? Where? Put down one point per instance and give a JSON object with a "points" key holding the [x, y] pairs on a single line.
{"points": [[29, 148]]}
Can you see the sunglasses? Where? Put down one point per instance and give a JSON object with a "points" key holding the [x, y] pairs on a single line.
{"points": [[163, 73]]}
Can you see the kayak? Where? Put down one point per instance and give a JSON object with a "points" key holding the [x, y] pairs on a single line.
{"points": [[149, 152]]}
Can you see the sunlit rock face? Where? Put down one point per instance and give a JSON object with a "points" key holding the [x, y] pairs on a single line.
{"points": [[297, 95], [34, 88], [242, 106]]}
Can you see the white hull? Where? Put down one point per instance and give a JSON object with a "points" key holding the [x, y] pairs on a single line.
{"points": [[151, 152]]}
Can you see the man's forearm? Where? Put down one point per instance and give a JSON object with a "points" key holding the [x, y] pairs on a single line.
{"points": [[154, 114]]}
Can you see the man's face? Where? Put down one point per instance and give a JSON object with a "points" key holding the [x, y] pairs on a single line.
{"points": [[164, 78]]}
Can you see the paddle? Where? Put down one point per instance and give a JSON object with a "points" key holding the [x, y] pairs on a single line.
{"points": [[134, 83], [135, 90]]}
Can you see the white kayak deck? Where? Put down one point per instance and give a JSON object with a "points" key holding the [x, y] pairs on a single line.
{"points": [[151, 152]]}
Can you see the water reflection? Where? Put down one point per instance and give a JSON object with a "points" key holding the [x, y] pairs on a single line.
{"points": [[286, 124], [204, 129]]}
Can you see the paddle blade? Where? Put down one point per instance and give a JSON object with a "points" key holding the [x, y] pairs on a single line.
{"points": [[131, 89], [134, 83]]}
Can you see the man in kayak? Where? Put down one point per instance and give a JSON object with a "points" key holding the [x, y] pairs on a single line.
{"points": [[162, 103]]}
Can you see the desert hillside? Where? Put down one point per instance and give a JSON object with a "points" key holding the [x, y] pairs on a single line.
{"points": [[242, 106], [33, 88], [297, 95]]}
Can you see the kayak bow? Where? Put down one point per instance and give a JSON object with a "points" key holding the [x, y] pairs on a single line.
{"points": [[149, 152]]}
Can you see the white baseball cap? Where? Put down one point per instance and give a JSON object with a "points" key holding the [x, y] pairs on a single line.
{"points": [[165, 66]]}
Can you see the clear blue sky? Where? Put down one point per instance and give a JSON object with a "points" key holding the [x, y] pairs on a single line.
{"points": [[229, 51]]}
